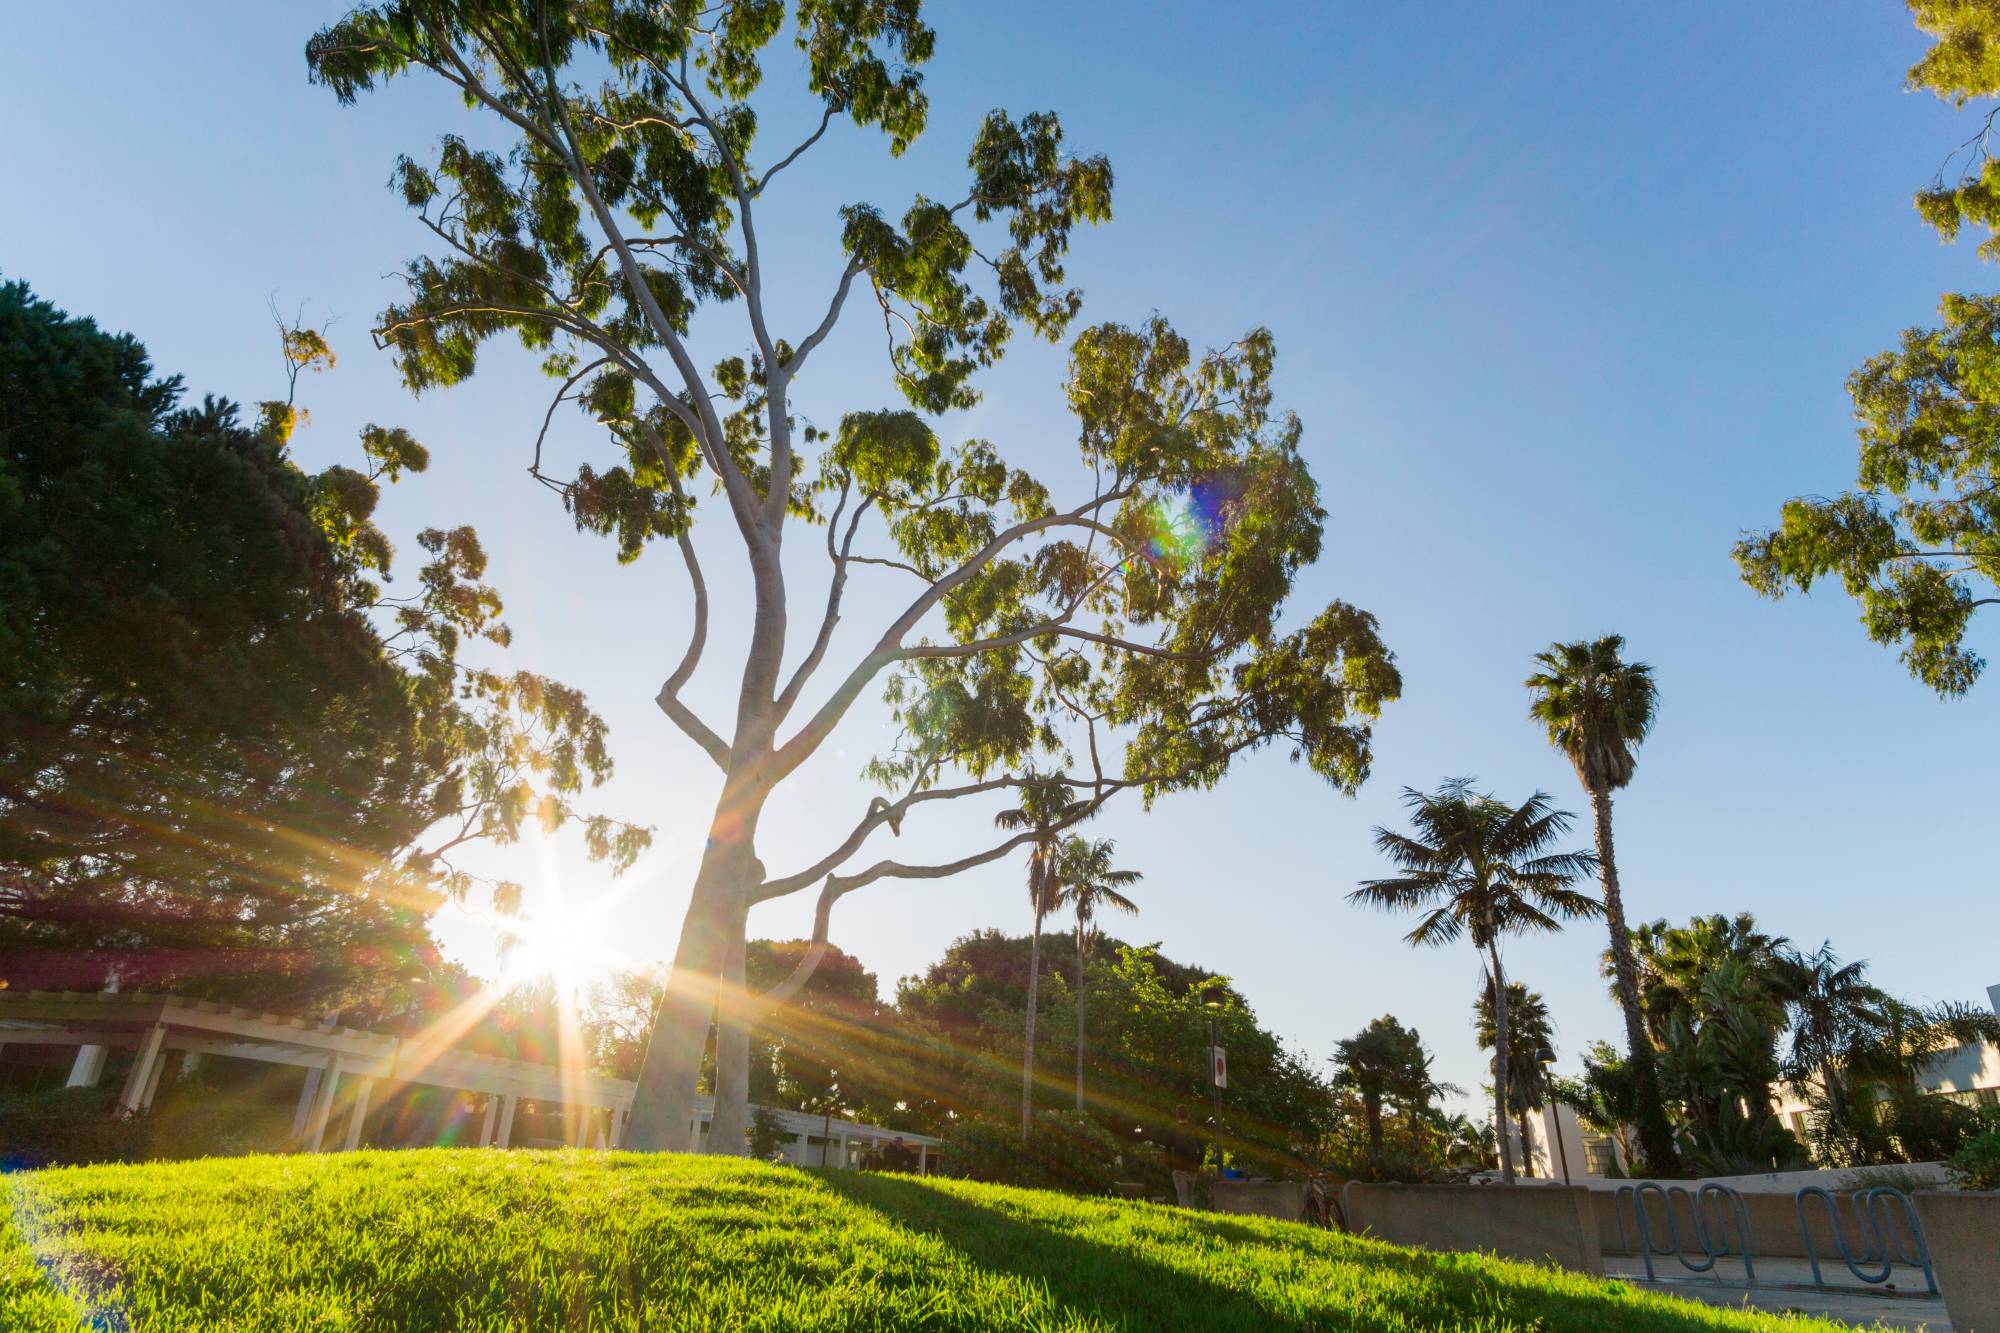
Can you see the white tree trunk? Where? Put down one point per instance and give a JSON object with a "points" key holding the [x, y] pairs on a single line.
{"points": [[730, 1126]]}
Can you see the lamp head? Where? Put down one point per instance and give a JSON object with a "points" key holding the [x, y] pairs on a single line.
{"points": [[1545, 1056]]}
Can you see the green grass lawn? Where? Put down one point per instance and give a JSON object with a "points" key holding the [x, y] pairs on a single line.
{"points": [[469, 1239]]}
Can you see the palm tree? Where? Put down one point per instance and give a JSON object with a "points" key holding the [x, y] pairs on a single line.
{"points": [[1089, 883], [1714, 995], [1047, 807], [1598, 707], [1480, 867], [1385, 1061], [1835, 1010], [1530, 1029]]}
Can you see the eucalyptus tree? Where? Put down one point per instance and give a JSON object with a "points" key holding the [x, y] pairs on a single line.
{"points": [[1481, 868], [1126, 638], [1530, 1029], [1090, 884], [1917, 541], [1597, 708], [1047, 806]]}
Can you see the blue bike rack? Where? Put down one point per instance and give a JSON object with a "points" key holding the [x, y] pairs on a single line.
{"points": [[1880, 1241], [1711, 1200]]}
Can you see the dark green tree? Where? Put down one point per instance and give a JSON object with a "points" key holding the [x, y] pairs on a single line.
{"points": [[1090, 884], [231, 762], [1597, 708], [1917, 542], [1530, 1029], [1606, 1098], [1481, 868], [1138, 618], [1385, 1063]]}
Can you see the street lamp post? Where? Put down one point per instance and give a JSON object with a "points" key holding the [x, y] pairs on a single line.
{"points": [[1211, 999], [1546, 1058]]}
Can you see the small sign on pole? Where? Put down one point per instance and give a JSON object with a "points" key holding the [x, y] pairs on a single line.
{"points": [[1218, 1066]]}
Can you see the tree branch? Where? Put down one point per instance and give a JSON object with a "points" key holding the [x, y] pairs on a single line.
{"points": [[888, 648]]}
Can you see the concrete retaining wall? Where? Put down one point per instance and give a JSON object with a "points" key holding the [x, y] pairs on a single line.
{"points": [[1533, 1222], [1283, 1199], [1964, 1234]]}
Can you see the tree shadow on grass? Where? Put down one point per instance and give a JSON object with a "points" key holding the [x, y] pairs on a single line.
{"points": [[1121, 1288], [1087, 1280]]}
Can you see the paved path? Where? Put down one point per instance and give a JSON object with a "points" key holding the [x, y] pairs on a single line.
{"points": [[1786, 1284]]}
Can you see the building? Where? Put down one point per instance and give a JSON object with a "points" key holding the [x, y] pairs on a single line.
{"points": [[1968, 1074], [347, 1084]]}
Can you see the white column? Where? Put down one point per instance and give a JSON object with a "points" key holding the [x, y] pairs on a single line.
{"points": [[617, 1128], [153, 1082], [486, 1125], [87, 1068], [323, 1105], [357, 1115], [804, 1157], [601, 1129], [190, 1061], [923, 1159], [842, 1154], [308, 1094], [507, 1119], [140, 1076]]}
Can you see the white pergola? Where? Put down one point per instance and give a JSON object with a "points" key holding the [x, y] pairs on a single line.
{"points": [[343, 1067]]}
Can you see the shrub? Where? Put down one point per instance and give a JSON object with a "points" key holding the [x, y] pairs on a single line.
{"points": [[77, 1127], [1064, 1151], [1976, 1166], [767, 1137], [1931, 1128]]}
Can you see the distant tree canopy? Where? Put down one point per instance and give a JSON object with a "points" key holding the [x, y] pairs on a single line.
{"points": [[1148, 1033], [230, 763]]}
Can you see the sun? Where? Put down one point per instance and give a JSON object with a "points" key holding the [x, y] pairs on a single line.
{"points": [[559, 945]]}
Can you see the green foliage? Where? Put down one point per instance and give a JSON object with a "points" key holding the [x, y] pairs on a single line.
{"points": [[1976, 1165], [623, 202], [1148, 1030], [1064, 1151], [426, 1241], [1930, 1128], [1530, 1029], [77, 1126], [1607, 1098], [1596, 706], [1917, 543], [1385, 1065], [234, 763], [767, 1137]]}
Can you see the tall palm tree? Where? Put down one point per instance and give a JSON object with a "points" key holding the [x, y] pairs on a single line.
{"points": [[1529, 1029], [1385, 1062], [1047, 807], [1598, 708], [1482, 868], [1089, 883]]}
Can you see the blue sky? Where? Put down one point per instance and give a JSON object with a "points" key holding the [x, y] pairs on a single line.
{"points": [[1564, 297]]}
